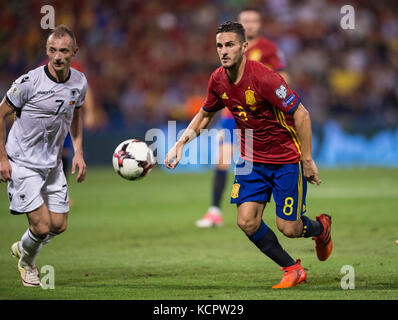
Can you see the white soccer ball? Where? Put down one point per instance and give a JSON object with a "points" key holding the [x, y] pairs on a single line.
{"points": [[133, 159]]}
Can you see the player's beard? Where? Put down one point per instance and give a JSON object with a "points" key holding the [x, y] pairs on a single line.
{"points": [[228, 67], [234, 64]]}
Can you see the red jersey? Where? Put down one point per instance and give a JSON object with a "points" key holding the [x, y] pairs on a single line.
{"points": [[266, 52], [263, 102]]}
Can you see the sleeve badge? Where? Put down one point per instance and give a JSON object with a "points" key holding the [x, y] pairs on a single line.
{"points": [[281, 92]]}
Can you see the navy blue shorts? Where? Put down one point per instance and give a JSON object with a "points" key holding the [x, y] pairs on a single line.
{"points": [[227, 127], [285, 182]]}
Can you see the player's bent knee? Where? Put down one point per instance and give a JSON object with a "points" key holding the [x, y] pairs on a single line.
{"points": [[290, 231], [249, 226], [59, 229], [41, 229]]}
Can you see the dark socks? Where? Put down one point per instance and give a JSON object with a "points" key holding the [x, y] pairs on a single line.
{"points": [[218, 187], [266, 240], [311, 228]]}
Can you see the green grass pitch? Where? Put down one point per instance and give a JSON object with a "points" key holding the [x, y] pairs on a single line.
{"points": [[137, 240]]}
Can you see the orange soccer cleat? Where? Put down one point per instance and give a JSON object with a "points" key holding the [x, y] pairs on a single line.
{"points": [[324, 243], [293, 276]]}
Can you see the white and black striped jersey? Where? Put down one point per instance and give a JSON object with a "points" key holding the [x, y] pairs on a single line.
{"points": [[44, 111]]}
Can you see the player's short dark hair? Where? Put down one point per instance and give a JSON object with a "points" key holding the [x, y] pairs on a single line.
{"points": [[61, 31], [235, 27]]}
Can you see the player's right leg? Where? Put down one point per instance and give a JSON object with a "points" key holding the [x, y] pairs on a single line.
{"points": [[30, 245], [250, 221], [250, 193], [25, 198]]}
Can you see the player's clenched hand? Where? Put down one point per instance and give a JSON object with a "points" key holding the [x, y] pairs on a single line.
{"points": [[311, 172], [5, 170], [173, 157], [78, 161]]}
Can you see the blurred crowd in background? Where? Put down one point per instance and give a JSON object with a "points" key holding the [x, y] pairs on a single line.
{"points": [[149, 61]]}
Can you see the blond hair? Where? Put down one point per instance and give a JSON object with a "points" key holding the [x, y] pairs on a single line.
{"points": [[61, 31]]}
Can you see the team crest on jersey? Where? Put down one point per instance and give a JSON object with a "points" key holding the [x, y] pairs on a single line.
{"points": [[74, 92], [235, 190], [15, 91], [224, 96], [250, 99], [281, 92]]}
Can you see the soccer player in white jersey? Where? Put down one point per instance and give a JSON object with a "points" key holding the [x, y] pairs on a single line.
{"points": [[46, 102]]}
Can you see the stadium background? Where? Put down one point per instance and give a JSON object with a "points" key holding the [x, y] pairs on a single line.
{"points": [[148, 62]]}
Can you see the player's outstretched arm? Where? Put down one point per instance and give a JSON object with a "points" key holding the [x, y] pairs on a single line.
{"points": [[5, 167], [302, 122], [201, 121], [76, 133]]}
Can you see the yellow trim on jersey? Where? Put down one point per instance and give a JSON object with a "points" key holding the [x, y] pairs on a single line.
{"points": [[281, 119], [300, 192]]}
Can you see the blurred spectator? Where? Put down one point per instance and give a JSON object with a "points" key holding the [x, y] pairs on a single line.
{"points": [[149, 60]]}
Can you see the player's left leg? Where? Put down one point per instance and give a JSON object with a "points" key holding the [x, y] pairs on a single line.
{"points": [[55, 192], [58, 224], [289, 193]]}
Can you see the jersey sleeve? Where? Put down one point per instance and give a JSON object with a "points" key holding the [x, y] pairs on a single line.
{"points": [[20, 91], [277, 92], [82, 96], [213, 102]]}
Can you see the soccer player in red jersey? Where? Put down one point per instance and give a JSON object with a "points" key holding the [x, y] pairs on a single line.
{"points": [[259, 49], [276, 151]]}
